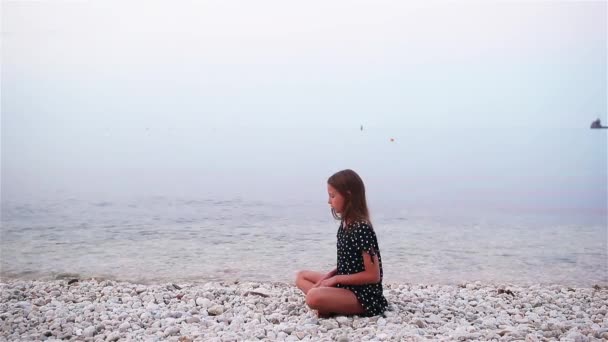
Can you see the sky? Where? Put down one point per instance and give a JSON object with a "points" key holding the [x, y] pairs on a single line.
{"points": [[488, 103]]}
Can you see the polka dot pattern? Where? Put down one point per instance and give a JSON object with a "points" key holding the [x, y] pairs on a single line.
{"points": [[357, 238]]}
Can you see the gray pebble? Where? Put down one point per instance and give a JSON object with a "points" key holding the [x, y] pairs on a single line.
{"points": [[114, 336], [171, 331], [343, 338], [191, 320], [89, 331]]}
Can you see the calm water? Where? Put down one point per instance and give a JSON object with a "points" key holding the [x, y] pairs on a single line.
{"points": [[163, 239]]}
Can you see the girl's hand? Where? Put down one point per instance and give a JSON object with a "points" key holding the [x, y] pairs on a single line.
{"points": [[329, 282], [327, 276], [318, 284]]}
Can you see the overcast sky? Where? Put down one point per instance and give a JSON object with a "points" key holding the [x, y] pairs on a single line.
{"points": [[488, 103]]}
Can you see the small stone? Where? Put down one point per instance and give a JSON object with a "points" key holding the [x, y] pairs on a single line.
{"points": [[175, 314], [89, 331], [531, 338], [152, 307], [312, 320], [203, 302], [343, 338], [343, 321], [359, 323], [124, 327], [172, 330], [329, 324], [193, 320], [113, 337], [259, 293], [504, 332], [275, 318], [216, 310], [287, 329], [259, 333], [420, 324]]}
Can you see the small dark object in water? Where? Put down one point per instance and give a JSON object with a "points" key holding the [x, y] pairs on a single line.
{"points": [[509, 292], [597, 124], [177, 287], [72, 281]]}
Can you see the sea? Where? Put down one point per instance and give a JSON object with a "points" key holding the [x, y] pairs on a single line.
{"points": [[167, 239]]}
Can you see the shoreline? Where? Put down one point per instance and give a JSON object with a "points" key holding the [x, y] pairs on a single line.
{"points": [[108, 310], [6, 277]]}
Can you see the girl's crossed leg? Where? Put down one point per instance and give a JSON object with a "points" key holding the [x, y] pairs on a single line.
{"points": [[305, 280], [327, 300]]}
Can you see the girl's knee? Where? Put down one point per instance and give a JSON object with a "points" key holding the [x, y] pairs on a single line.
{"points": [[313, 298], [299, 276]]}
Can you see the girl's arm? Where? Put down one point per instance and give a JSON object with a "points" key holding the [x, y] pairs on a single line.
{"points": [[371, 275]]}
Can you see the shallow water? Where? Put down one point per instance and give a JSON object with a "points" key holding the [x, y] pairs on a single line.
{"points": [[163, 239]]}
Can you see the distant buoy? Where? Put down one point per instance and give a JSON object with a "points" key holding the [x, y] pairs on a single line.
{"points": [[392, 139]]}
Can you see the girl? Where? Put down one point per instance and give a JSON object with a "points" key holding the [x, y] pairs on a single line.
{"points": [[354, 287]]}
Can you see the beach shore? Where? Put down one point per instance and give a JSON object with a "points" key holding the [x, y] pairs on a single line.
{"points": [[106, 310]]}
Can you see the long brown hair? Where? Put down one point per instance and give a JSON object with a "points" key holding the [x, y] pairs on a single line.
{"points": [[350, 186]]}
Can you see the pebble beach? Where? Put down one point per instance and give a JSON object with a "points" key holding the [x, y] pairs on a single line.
{"points": [[108, 310]]}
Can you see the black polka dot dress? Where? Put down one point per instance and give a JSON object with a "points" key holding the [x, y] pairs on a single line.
{"points": [[360, 237]]}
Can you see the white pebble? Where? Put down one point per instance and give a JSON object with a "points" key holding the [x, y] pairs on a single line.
{"points": [[114, 336], [171, 331], [89, 331]]}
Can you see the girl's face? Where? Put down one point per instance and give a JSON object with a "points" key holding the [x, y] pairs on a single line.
{"points": [[336, 200]]}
